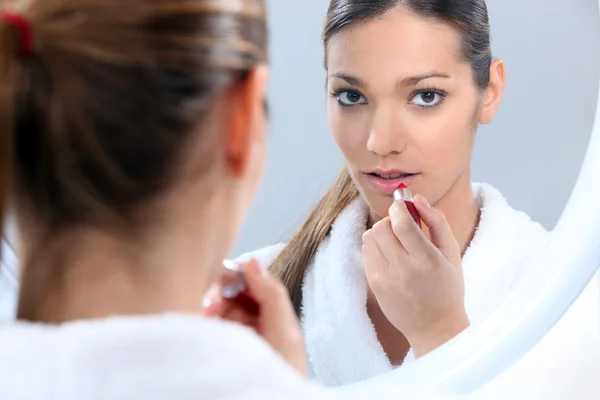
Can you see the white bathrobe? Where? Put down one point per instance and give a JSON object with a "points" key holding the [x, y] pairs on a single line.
{"points": [[157, 357], [341, 341]]}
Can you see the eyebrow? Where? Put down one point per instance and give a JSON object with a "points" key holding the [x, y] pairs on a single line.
{"points": [[351, 80], [413, 80], [410, 81]]}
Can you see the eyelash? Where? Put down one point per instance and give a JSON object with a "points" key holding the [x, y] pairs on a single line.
{"points": [[337, 92], [433, 90]]}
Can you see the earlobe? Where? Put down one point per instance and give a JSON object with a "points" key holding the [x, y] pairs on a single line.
{"points": [[493, 94], [246, 119]]}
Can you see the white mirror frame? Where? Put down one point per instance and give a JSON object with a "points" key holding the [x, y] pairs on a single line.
{"points": [[568, 263]]}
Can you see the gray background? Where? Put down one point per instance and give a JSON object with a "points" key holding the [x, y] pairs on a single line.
{"points": [[532, 152]]}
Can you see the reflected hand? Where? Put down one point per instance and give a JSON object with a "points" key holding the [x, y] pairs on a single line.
{"points": [[418, 283], [275, 321]]}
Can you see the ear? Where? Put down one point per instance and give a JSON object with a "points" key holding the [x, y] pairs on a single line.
{"points": [[246, 110], [493, 94]]}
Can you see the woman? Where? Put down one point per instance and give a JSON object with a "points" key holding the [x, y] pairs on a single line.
{"points": [[409, 81], [132, 136]]}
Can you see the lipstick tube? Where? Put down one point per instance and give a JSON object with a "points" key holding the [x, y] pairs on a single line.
{"points": [[404, 194], [235, 288]]}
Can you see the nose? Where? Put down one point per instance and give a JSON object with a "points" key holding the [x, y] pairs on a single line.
{"points": [[386, 135]]}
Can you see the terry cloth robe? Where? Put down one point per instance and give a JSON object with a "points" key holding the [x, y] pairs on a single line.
{"points": [[161, 357], [341, 341], [155, 357]]}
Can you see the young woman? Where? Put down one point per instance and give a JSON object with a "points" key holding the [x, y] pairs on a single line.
{"points": [[408, 81], [132, 137]]}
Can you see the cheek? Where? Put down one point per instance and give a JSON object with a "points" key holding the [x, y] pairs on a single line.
{"points": [[350, 131], [446, 141]]}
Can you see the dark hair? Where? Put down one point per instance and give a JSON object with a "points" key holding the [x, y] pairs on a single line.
{"points": [[94, 121], [470, 19]]}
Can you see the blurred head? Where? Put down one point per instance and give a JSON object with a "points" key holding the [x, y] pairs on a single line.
{"points": [[409, 81], [137, 120]]}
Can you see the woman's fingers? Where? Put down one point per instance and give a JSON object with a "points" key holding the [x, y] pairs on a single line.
{"points": [[277, 322], [391, 248], [408, 232], [270, 295], [439, 230], [373, 258], [213, 303]]}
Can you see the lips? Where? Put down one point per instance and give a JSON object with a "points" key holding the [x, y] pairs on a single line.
{"points": [[391, 176], [386, 182]]}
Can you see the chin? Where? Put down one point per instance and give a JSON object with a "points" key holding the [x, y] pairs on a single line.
{"points": [[379, 204]]}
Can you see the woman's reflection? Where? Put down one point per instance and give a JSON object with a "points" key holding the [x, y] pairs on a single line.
{"points": [[408, 83]]}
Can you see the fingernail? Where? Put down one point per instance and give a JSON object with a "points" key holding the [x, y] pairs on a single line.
{"points": [[424, 201], [207, 302]]}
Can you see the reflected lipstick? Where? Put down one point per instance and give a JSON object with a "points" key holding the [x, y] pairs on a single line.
{"points": [[402, 193]]}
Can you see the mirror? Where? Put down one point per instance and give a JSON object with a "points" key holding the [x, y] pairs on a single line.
{"points": [[538, 108]]}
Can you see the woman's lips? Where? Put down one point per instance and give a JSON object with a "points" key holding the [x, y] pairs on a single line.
{"points": [[388, 186]]}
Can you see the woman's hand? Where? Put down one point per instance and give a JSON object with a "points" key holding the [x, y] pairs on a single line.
{"points": [[418, 283], [275, 321]]}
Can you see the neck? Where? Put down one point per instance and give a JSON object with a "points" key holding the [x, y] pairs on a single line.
{"points": [[90, 274]]}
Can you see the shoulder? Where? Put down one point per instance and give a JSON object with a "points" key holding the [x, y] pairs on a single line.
{"points": [[496, 209], [264, 255], [502, 226], [123, 357]]}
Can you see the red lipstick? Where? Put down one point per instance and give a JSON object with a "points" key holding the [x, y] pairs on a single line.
{"points": [[404, 194]]}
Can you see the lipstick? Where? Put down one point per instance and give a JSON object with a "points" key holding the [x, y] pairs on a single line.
{"points": [[235, 288], [402, 193]]}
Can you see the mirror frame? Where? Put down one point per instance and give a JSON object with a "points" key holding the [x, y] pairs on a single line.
{"points": [[569, 262]]}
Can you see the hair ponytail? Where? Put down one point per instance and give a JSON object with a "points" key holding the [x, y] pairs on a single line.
{"points": [[291, 264], [97, 105]]}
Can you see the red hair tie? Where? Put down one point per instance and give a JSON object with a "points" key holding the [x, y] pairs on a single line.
{"points": [[24, 31]]}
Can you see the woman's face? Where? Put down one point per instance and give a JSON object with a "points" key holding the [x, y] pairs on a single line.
{"points": [[403, 107]]}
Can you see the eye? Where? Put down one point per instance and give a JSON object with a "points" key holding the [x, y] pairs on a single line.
{"points": [[349, 98], [428, 98]]}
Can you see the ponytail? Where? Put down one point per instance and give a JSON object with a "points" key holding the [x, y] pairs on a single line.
{"points": [[291, 264]]}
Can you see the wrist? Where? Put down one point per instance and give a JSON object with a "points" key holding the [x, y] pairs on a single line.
{"points": [[439, 335]]}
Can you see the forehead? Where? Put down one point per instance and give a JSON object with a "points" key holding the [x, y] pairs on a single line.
{"points": [[399, 43]]}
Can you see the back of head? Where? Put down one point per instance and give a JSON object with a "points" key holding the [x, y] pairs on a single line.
{"points": [[95, 117]]}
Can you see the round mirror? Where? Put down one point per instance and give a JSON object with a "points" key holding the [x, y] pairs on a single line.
{"points": [[532, 153]]}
